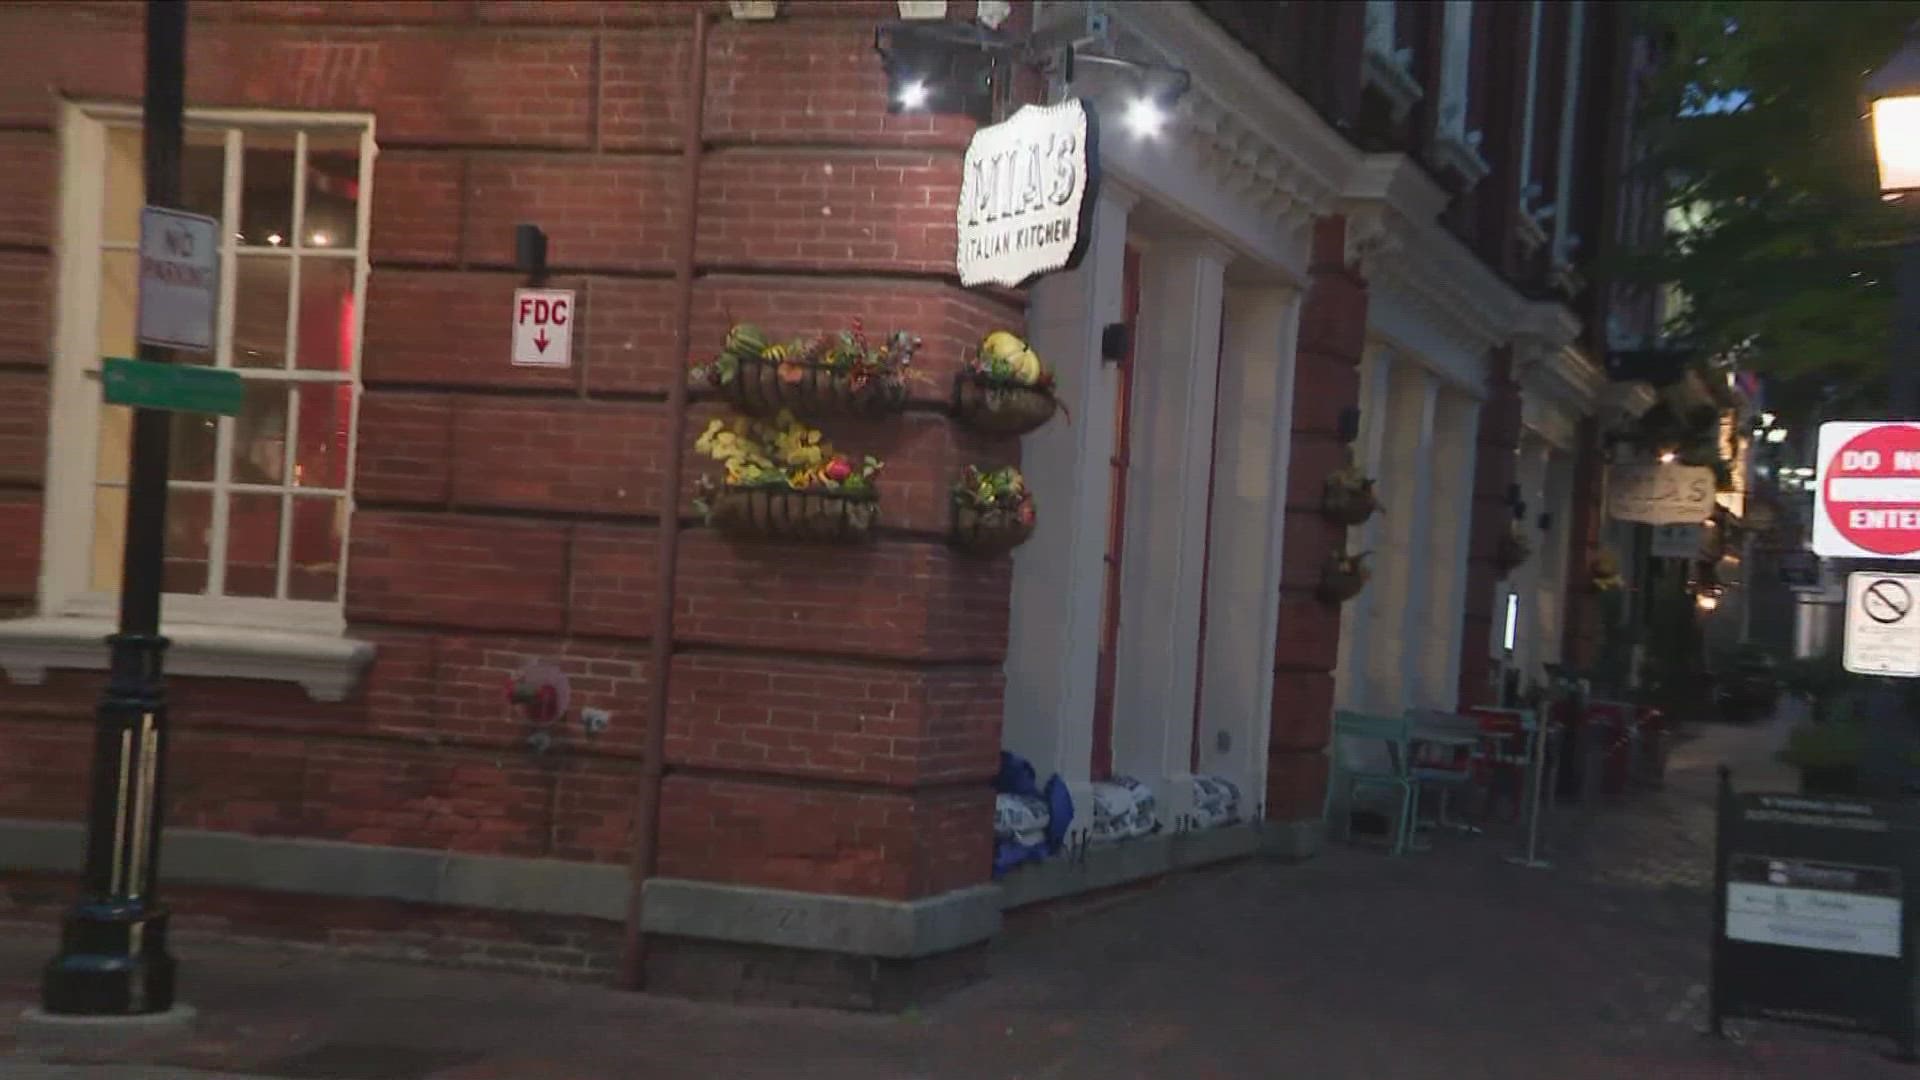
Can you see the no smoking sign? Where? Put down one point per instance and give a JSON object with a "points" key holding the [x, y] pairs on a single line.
{"points": [[1883, 630], [1868, 492]]}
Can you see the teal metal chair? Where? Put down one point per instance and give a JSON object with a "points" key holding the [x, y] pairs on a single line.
{"points": [[1374, 752]]}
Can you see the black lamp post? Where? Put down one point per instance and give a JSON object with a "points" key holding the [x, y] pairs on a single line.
{"points": [[113, 958]]}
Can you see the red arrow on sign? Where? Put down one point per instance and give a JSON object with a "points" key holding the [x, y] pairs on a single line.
{"points": [[540, 340]]}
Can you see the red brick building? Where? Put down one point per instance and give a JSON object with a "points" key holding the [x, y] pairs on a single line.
{"points": [[399, 520]]}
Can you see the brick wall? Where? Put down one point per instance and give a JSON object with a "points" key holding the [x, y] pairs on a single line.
{"points": [[1333, 326], [834, 715]]}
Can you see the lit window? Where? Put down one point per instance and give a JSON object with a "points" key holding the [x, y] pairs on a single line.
{"points": [[259, 503]]}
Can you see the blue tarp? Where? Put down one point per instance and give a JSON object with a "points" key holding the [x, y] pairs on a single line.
{"points": [[1017, 777]]}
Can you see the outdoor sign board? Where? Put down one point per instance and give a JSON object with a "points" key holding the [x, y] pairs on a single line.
{"points": [[1813, 921], [179, 279], [1679, 541], [146, 384], [1883, 630], [1867, 490], [1659, 494], [1027, 193], [543, 328]]}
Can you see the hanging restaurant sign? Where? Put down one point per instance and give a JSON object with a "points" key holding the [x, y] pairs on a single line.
{"points": [[1027, 194], [1660, 494]]}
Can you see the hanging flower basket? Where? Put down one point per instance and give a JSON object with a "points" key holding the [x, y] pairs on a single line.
{"points": [[1348, 497], [805, 388], [1342, 577], [1005, 389], [1513, 551], [1348, 502], [993, 511], [988, 533], [1605, 572], [781, 515], [843, 374], [1000, 408]]}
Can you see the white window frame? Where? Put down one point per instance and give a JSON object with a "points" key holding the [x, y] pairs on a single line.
{"points": [[1533, 235], [73, 445], [1563, 239], [1455, 147], [1386, 66]]}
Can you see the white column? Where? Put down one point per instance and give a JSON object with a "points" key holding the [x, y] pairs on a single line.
{"points": [[1053, 637], [1351, 686], [1401, 562], [1181, 290], [1255, 426], [1421, 406], [1456, 421]]}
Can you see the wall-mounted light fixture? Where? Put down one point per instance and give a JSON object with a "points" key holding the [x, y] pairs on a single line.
{"points": [[530, 252], [953, 68], [1349, 424], [942, 67]]}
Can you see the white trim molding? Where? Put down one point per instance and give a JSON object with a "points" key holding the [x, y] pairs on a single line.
{"points": [[1559, 383], [327, 666], [1246, 152], [1429, 295]]}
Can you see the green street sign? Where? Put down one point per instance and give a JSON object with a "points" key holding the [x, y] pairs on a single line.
{"points": [[145, 384]]}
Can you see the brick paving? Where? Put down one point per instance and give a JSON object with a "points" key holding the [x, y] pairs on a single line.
{"points": [[1445, 964]]}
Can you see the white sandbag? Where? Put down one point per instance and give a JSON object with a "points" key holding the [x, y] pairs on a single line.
{"points": [[1021, 818], [1216, 801]]}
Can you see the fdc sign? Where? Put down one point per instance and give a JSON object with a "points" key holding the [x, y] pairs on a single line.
{"points": [[1867, 493]]}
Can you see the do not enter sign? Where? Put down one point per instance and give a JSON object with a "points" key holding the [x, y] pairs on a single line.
{"points": [[1868, 491]]}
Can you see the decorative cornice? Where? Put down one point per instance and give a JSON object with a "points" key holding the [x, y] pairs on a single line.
{"points": [[1249, 129], [1393, 209], [1547, 362]]}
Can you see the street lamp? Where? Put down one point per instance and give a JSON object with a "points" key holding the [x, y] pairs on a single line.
{"points": [[1894, 93]]}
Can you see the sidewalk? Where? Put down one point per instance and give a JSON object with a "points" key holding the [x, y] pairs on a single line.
{"points": [[1449, 964]]}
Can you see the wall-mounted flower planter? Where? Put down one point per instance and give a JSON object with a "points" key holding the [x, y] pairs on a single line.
{"points": [[1342, 577], [1347, 504], [988, 533], [1512, 552], [993, 511], [781, 515], [999, 408], [811, 390]]}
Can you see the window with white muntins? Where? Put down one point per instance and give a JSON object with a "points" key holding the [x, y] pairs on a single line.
{"points": [[1456, 147], [258, 504]]}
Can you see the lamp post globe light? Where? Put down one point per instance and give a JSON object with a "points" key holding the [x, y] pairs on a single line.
{"points": [[1894, 95]]}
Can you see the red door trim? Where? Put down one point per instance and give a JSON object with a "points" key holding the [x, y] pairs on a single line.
{"points": [[1108, 667], [1206, 551]]}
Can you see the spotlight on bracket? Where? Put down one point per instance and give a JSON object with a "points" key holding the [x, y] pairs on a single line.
{"points": [[942, 67], [912, 95]]}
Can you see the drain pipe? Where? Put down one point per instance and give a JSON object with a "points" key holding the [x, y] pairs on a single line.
{"points": [[646, 812]]}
